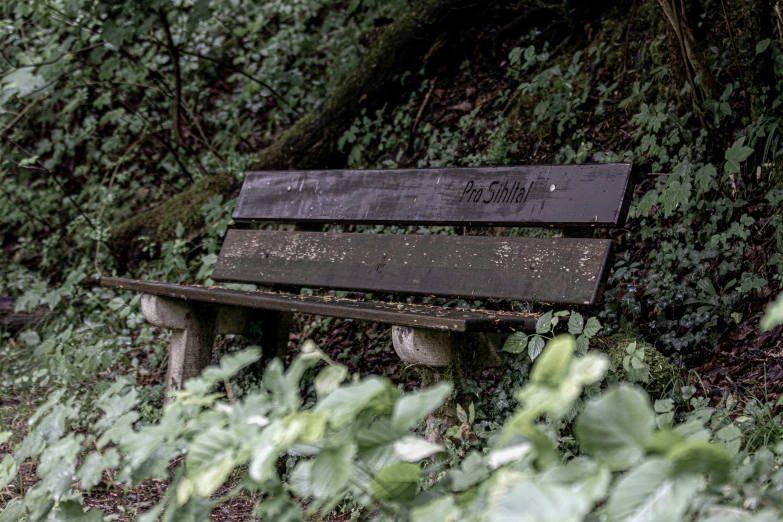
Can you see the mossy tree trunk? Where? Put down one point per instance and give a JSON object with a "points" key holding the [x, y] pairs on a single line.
{"points": [[684, 50], [311, 142]]}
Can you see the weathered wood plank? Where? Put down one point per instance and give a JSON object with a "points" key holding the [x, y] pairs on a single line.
{"points": [[552, 270], [551, 195], [415, 316], [13, 321]]}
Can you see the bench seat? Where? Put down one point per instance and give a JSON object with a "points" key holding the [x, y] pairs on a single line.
{"points": [[414, 316]]}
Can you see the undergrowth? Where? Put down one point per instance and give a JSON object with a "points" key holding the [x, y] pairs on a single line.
{"points": [[557, 433]]}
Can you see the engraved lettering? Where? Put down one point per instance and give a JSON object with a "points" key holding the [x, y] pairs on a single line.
{"points": [[497, 192], [527, 192], [467, 189], [504, 193], [513, 191], [491, 191]]}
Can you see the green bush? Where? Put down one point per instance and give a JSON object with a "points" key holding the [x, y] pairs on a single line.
{"points": [[621, 461]]}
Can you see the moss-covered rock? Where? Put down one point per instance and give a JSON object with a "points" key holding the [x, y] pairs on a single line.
{"points": [[663, 375]]}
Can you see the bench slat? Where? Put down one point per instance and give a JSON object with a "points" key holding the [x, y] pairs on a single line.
{"points": [[551, 195], [415, 316], [551, 270]]}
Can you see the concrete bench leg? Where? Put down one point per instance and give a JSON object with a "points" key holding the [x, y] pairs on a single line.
{"points": [[195, 325], [439, 356], [194, 328]]}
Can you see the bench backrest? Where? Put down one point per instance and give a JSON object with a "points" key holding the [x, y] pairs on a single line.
{"points": [[548, 195], [553, 269]]}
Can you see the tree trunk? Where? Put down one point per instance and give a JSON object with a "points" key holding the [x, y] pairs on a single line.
{"points": [[690, 53]]}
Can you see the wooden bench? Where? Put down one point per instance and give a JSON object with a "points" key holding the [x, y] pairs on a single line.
{"points": [[568, 271]]}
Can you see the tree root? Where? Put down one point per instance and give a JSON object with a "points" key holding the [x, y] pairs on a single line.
{"points": [[160, 223]]}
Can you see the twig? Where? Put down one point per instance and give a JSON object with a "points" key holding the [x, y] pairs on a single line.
{"points": [[779, 20], [628, 33], [423, 105], [250, 77], [165, 143], [21, 113], [229, 393], [99, 218], [421, 111], [53, 60], [177, 77]]}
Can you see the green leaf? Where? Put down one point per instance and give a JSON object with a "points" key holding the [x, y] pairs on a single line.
{"points": [[116, 34], [676, 194], [539, 501], [198, 13], [415, 406], [22, 81], [344, 404], [592, 327], [773, 315], [210, 459], [735, 155], [647, 494], [762, 45], [544, 323], [471, 471], [13, 511], [576, 323], [582, 344], [613, 428], [551, 366], [30, 338], [397, 482], [331, 470], [705, 285], [113, 116], [663, 405], [516, 343], [71, 511], [91, 470], [535, 347], [441, 509], [329, 379], [8, 471], [705, 177], [209, 259], [229, 366], [698, 457], [646, 204], [461, 414], [306, 427]]}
